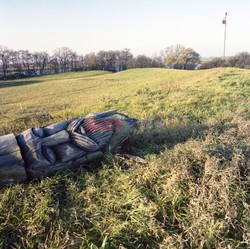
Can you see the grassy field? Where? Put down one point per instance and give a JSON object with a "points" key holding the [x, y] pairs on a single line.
{"points": [[192, 189]]}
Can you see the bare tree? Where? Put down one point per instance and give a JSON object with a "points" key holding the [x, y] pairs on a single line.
{"points": [[74, 61], [54, 64], [243, 60], [16, 61], [142, 61], [124, 59], [107, 60], [63, 56], [27, 61], [5, 59], [90, 61], [40, 60], [81, 63]]}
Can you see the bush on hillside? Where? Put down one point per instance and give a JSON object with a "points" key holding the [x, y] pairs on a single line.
{"points": [[241, 60]]}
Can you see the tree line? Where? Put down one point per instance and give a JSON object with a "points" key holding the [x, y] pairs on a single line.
{"points": [[25, 63], [241, 60], [64, 60]]}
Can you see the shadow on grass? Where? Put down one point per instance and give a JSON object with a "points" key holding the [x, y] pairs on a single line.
{"points": [[7, 84], [154, 142]]}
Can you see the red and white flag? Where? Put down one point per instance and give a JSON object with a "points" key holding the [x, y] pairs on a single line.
{"points": [[224, 21]]}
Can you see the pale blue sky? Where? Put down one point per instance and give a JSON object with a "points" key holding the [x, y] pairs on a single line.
{"points": [[144, 26]]}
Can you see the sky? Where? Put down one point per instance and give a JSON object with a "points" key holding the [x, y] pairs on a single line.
{"points": [[144, 26]]}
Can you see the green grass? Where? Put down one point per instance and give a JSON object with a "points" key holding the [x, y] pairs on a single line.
{"points": [[191, 192]]}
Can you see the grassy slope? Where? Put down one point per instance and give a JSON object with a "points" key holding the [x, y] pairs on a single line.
{"points": [[192, 192]]}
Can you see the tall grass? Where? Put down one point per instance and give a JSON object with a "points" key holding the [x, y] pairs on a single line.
{"points": [[192, 189]]}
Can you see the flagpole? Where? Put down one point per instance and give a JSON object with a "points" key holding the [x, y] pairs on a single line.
{"points": [[225, 36]]}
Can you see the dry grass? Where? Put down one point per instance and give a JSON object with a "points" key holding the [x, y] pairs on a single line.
{"points": [[192, 189]]}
